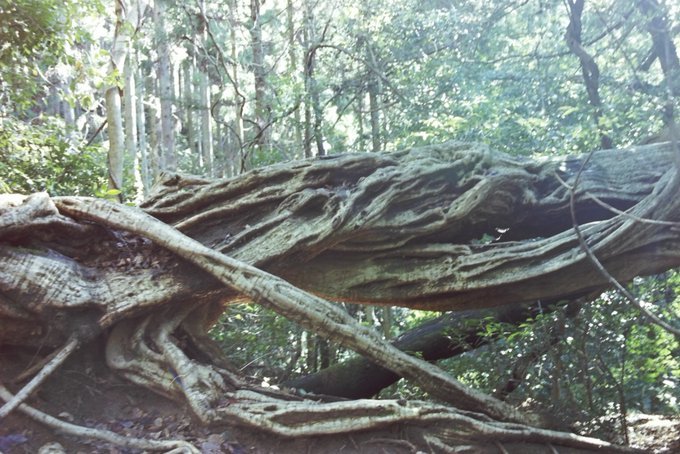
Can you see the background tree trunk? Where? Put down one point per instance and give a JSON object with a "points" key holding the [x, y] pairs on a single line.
{"points": [[168, 156], [141, 164], [261, 132], [589, 68], [119, 49]]}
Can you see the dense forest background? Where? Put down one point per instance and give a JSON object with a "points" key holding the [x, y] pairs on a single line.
{"points": [[101, 97]]}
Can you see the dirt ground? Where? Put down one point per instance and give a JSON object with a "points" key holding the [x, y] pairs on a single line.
{"points": [[85, 392]]}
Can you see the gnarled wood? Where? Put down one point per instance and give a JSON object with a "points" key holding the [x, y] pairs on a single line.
{"points": [[447, 227]]}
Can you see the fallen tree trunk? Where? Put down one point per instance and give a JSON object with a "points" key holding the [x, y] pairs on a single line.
{"points": [[443, 337], [447, 227]]}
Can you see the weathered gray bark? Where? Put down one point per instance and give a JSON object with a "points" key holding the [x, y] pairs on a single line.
{"points": [[408, 228]]}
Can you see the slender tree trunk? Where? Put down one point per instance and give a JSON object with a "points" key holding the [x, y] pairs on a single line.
{"points": [[119, 48], [324, 353], [260, 140], [308, 67], [293, 66], [206, 126], [360, 122], [664, 49], [240, 160], [204, 88], [130, 109], [189, 111], [309, 136], [374, 103], [67, 110], [218, 149], [154, 131], [589, 68], [129, 104], [313, 111], [374, 108], [143, 153], [387, 322], [116, 139], [312, 363], [128, 17], [369, 312], [166, 90]]}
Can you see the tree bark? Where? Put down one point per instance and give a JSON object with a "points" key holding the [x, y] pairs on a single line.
{"points": [[663, 46], [408, 228], [369, 227], [589, 68], [168, 156], [240, 158], [293, 68], [114, 117], [128, 19], [190, 110], [313, 111], [204, 87], [142, 172], [206, 127], [261, 133], [116, 153], [664, 49]]}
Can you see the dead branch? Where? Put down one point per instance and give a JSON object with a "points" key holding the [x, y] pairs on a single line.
{"points": [[71, 346], [99, 434]]}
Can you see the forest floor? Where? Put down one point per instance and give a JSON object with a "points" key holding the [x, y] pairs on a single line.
{"points": [[83, 391]]}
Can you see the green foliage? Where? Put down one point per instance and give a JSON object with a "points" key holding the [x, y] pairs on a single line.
{"points": [[28, 27], [44, 158], [257, 340], [47, 45], [29, 30], [607, 351]]}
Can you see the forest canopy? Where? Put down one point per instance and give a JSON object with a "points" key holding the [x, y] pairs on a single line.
{"points": [[271, 212]]}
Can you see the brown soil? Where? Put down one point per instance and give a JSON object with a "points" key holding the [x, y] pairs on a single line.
{"points": [[85, 392]]}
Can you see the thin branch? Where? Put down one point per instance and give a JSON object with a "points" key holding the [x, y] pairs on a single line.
{"points": [[71, 345], [96, 133], [615, 210], [177, 446], [598, 265]]}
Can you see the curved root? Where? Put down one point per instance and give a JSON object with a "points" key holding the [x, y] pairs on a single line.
{"points": [[144, 352]]}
